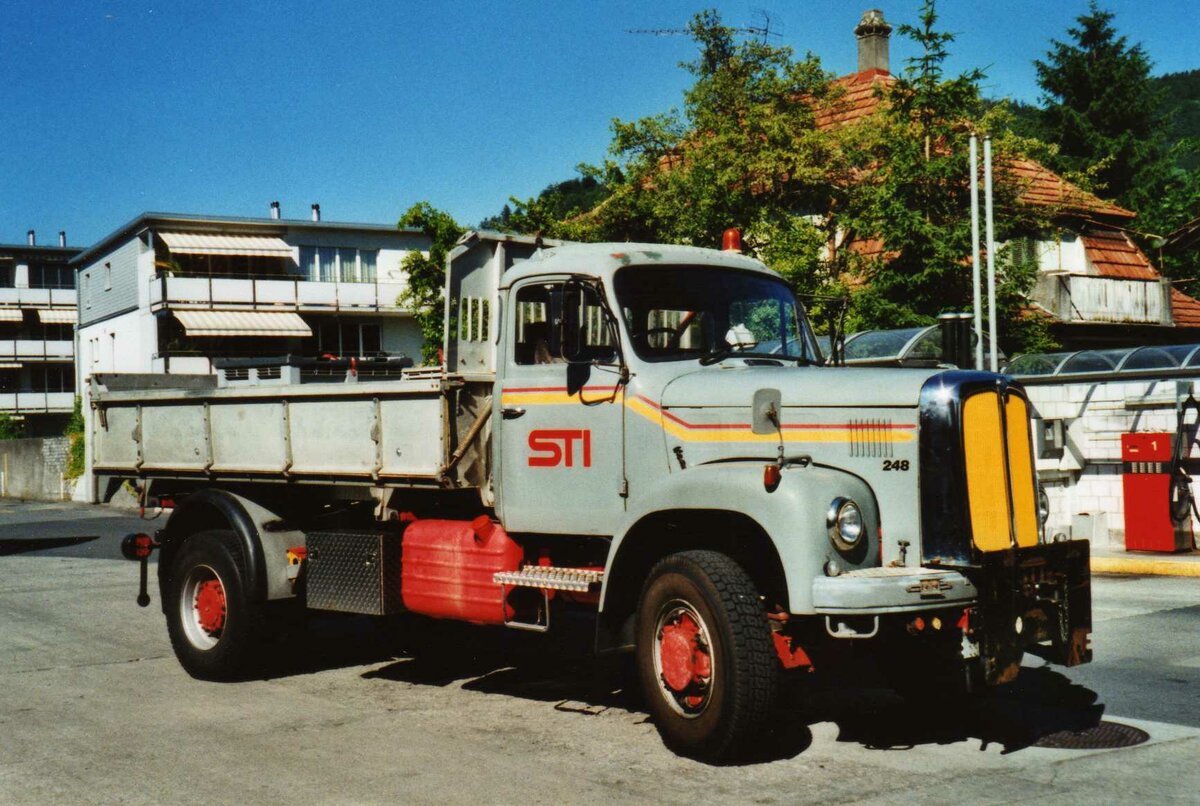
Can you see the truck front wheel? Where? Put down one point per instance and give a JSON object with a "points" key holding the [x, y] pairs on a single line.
{"points": [[704, 655], [213, 624]]}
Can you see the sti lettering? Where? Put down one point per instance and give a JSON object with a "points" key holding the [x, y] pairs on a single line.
{"points": [[551, 447]]}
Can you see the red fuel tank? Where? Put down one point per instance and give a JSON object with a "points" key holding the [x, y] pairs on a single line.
{"points": [[447, 568]]}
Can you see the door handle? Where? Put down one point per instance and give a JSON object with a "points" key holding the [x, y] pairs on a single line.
{"points": [[511, 413]]}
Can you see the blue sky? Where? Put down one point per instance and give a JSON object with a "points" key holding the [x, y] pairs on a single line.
{"points": [[115, 107]]}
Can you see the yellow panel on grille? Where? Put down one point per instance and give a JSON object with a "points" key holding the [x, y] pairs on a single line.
{"points": [[1020, 469], [987, 479]]}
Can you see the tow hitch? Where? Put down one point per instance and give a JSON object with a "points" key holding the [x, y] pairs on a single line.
{"points": [[139, 547]]}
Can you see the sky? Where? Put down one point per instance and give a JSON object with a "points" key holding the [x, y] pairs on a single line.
{"points": [[113, 107]]}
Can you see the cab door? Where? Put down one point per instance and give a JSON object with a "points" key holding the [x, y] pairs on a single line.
{"points": [[560, 422]]}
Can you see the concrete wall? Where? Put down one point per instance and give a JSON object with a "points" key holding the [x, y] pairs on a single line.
{"points": [[1084, 484], [32, 469]]}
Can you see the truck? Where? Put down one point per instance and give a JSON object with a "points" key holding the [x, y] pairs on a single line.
{"points": [[644, 435]]}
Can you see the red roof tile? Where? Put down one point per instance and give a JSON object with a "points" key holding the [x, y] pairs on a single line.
{"points": [[859, 98], [1185, 309], [855, 97], [1041, 186], [1113, 254]]}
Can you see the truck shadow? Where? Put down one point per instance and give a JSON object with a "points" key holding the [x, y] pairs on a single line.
{"points": [[561, 671]]}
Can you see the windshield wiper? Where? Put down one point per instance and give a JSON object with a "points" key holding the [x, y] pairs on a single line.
{"points": [[715, 355]]}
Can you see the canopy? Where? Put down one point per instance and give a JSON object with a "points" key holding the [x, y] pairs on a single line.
{"points": [[194, 243], [243, 323], [57, 316]]}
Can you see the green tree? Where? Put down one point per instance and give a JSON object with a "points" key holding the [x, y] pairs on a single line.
{"points": [[743, 151], [426, 274], [75, 441], [1110, 118], [558, 202], [10, 428], [1102, 109], [914, 197]]}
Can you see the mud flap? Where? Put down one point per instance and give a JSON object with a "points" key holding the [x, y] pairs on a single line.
{"points": [[1036, 600]]}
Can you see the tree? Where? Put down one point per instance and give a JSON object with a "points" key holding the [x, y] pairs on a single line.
{"points": [[913, 197], [426, 274], [1109, 117], [10, 428], [1102, 109], [744, 151], [560, 201]]}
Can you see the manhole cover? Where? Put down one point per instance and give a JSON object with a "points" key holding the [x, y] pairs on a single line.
{"points": [[1098, 737]]}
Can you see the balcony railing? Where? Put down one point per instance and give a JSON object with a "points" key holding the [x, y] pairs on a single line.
{"points": [[37, 402], [1081, 298], [273, 293], [38, 297], [36, 350]]}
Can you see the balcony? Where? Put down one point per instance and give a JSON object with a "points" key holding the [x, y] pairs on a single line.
{"points": [[38, 297], [36, 350], [37, 402], [1089, 299], [271, 293]]}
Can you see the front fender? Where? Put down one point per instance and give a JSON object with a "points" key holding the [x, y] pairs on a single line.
{"points": [[792, 516]]}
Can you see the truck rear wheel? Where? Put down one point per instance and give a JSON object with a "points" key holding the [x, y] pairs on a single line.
{"points": [[213, 624], [704, 655]]}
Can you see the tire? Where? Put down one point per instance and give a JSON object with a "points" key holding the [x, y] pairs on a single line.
{"points": [[215, 628], [705, 660]]}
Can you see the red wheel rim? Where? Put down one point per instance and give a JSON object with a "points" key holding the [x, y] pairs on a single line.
{"points": [[683, 658], [210, 606]]}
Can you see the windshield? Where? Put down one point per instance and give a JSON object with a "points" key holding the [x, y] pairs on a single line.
{"points": [[688, 312]]}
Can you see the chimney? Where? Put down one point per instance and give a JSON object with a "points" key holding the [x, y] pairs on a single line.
{"points": [[62, 237], [275, 210], [31, 236], [873, 32], [316, 212]]}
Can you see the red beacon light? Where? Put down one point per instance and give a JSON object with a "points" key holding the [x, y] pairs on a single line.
{"points": [[731, 240]]}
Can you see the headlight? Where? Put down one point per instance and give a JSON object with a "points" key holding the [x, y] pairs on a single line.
{"points": [[1043, 506], [845, 524]]}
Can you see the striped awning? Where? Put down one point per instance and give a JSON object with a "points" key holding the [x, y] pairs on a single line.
{"points": [[10, 315], [57, 316], [243, 323], [195, 243]]}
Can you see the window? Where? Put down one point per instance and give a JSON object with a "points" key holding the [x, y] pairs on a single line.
{"points": [[682, 312], [329, 264], [474, 319], [53, 378], [539, 325], [50, 276], [346, 339]]}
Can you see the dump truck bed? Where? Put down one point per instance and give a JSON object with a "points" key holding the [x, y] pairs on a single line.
{"points": [[375, 432]]}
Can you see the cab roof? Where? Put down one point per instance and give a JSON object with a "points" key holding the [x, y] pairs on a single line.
{"points": [[604, 259]]}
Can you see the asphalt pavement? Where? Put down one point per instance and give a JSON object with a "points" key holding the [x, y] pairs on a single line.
{"points": [[95, 709]]}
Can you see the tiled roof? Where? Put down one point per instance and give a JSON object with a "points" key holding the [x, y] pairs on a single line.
{"points": [[1041, 186], [1185, 309], [855, 97], [859, 98], [1113, 254]]}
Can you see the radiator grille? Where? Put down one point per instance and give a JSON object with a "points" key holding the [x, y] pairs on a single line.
{"points": [[1001, 490]]}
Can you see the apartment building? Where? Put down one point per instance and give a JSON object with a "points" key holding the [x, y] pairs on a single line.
{"points": [[37, 345], [169, 293]]}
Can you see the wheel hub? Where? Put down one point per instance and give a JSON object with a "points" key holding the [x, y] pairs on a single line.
{"points": [[210, 606], [684, 659]]}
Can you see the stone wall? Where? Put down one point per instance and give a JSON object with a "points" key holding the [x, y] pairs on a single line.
{"points": [[33, 469]]}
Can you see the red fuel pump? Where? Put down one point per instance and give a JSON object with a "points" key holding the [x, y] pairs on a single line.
{"points": [[1150, 517]]}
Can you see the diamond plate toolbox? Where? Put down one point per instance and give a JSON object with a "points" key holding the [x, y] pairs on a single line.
{"points": [[354, 572]]}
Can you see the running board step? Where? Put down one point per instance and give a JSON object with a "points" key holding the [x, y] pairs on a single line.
{"points": [[547, 577]]}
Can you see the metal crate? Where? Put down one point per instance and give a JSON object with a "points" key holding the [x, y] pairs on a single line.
{"points": [[354, 572]]}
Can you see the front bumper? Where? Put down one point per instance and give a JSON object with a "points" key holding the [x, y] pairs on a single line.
{"points": [[880, 591], [1035, 599]]}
